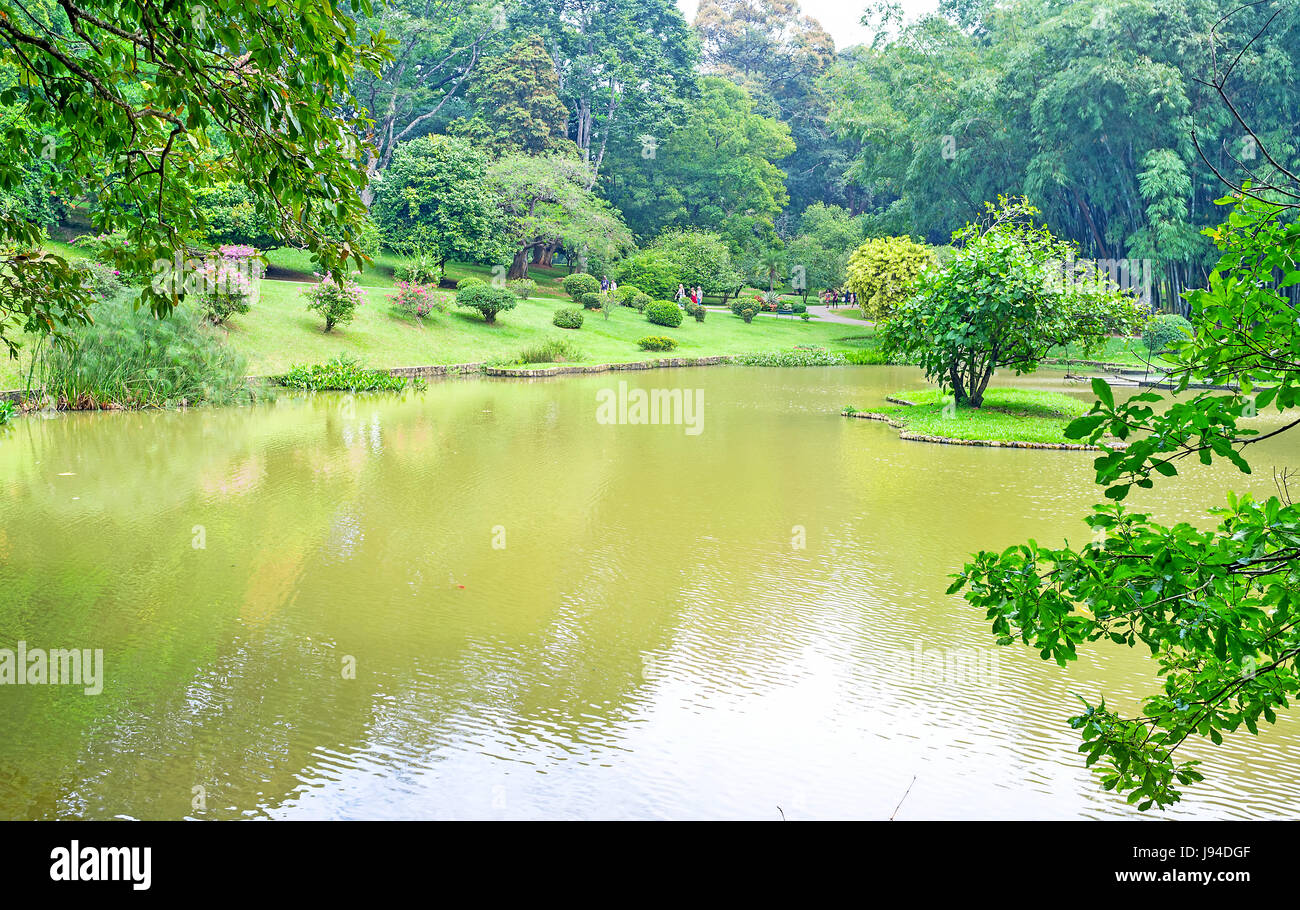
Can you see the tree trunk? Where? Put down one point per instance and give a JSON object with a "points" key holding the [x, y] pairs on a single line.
{"points": [[546, 254], [958, 387], [519, 267]]}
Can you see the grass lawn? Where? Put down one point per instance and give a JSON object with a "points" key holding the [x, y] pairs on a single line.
{"points": [[1007, 415], [279, 332]]}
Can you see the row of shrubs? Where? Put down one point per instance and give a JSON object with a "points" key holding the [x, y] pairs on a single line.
{"points": [[661, 312]]}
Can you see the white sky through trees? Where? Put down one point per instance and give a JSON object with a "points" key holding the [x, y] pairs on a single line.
{"points": [[839, 17]]}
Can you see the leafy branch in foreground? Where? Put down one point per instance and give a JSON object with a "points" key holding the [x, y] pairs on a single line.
{"points": [[1216, 608], [142, 107]]}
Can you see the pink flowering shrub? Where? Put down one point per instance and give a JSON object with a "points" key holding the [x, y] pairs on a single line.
{"points": [[226, 283], [247, 256], [418, 299], [336, 302]]}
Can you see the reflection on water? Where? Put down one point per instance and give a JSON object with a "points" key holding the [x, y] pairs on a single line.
{"points": [[480, 602]]}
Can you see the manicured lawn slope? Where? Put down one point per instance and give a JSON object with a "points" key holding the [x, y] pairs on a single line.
{"points": [[1007, 415], [279, 332]]}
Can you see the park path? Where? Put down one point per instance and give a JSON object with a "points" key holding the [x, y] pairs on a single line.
{"points": [[826, 314]]}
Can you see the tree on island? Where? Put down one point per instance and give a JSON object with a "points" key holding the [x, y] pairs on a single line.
{"points": [[1009, 293]]}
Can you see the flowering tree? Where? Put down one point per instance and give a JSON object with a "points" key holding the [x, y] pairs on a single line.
{"points": [[336, 301]]}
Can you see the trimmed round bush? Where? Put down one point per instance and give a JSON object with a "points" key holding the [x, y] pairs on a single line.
{"points": [[657, 343], [470, 282], [522, 287], [626, 293], [568, 318], [745, 308], [664, 312], [1165, 331], [699, 312], [591, 301], [579, 285], [640, 302], [487, 300]]}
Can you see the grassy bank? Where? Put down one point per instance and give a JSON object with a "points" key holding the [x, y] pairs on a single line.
{"points": [[280, 332], [1007, 415]]}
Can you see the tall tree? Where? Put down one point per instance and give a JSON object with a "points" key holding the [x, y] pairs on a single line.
{"points": [[778, 55], [718, 169], [547, 199], [435, 46], [516, 94], [626, 67]]}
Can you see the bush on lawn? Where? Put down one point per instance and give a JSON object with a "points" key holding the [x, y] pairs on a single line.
{"points": [[487, 300], [568, 318], [417, 299], [664, 312], [657, 343], [336, 302], [1164, 332], [579, 285]]}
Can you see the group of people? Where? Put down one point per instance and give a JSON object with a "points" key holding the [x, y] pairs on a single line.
{"points": [[835, 298], [695, 295], [607, 285]]}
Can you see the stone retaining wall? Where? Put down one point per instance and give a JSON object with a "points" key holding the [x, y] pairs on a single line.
{"points": [[607, 367]]}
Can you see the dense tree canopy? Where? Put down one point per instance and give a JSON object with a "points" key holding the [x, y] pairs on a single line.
{"points": [[435, 45], [435, 195], [719, 166], [626, 67], [546, 199], [1093, 109]]}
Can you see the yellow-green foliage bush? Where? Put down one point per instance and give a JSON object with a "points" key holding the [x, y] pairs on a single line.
{"points": [[881, 272]]}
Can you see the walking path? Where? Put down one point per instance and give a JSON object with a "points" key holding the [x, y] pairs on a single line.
{"points": [[826, 314], [819, 311]]}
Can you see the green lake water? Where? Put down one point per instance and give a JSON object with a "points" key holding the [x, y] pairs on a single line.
{"points": [[480, 601]]}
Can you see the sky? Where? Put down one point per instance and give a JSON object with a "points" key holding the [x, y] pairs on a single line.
{"points": [[838, 17]]}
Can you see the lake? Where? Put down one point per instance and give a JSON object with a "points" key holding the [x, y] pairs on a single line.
{"points": [[485, 600]]}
